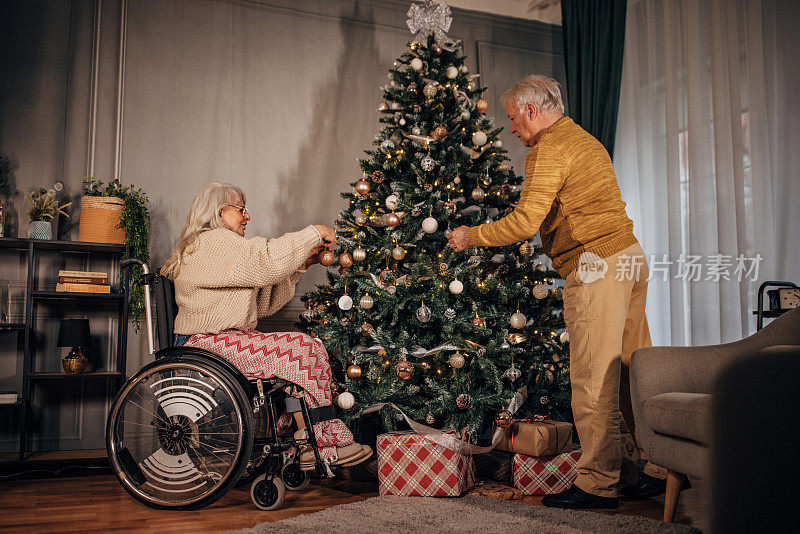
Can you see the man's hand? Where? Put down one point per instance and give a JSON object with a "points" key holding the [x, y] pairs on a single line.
{"points": [[313, 257], [459, 238]]}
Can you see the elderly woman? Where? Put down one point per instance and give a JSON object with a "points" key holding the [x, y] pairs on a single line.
{"points": [[225, 282]]}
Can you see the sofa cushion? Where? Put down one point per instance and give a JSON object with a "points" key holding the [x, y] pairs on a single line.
{"points": [[685, 415]]}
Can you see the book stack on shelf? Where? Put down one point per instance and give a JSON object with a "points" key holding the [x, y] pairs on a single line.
{"points": [[83, 282], [8, 397]]}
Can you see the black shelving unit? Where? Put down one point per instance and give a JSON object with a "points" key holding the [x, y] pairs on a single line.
{"points": [[36, 294], [761, 313]]}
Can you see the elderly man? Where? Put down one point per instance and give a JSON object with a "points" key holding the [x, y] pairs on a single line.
{"points": [[572, 198]]}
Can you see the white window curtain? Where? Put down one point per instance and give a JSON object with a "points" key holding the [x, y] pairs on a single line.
{"points": [[706, 158]]}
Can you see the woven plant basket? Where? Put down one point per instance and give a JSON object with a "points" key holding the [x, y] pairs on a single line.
{"points": [[99, 220]]}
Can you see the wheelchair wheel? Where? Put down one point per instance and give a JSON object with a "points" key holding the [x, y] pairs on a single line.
{"points": [[179, 433], [266, 494], [295, 478]]}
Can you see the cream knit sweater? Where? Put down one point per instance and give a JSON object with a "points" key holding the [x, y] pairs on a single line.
{"points": [[228, 281]]}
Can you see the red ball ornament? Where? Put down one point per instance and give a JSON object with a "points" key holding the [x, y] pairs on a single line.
{"points": [[362, 187], [354, 371], [404, 370], [327, 258], [392, 220], [345, 260], [439, 132], [503, 418], [482, 105]]}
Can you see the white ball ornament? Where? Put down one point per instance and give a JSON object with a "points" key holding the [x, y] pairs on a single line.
{"points": [[540, 291], [401, 122], [394, 105], [359, 254], [456, 287], [391, 202], [430, 225], [518, 320], [346, 400], [465, 114], [457, 180], [479, 138], [564, 337], [345, 302], [497, 143], [416, 64], [464, 69], [451, 72]]}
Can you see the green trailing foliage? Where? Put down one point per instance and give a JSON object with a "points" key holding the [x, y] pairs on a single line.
{"points": [[497, 282], [135, 219]]}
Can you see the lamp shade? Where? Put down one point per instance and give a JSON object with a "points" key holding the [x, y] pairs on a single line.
{"points": [[74, 333]]}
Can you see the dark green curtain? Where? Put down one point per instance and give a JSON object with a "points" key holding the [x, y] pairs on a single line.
{"points": [[594, 35]]}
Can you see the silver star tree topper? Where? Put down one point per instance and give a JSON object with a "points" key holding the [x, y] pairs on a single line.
{"points": [[431, 17]]}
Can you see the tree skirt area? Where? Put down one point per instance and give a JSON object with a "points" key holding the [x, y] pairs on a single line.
{"points": [[471, 513]]}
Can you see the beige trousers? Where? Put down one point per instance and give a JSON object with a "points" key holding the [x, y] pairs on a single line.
{"points": [[604, 310]]}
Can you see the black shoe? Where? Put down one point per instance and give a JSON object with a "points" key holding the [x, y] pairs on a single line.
{"points": [[645, 487], [575, 497]]}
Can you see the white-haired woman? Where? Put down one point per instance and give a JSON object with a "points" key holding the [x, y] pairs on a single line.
{"points": [[225, 282]]}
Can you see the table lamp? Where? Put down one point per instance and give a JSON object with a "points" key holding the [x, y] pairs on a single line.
{"points": [[74, 333]]}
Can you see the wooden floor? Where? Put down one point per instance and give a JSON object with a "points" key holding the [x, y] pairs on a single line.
{"points": [[97, 503]]}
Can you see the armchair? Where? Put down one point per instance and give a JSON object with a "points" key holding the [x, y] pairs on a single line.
{"points": [[672, 403]]}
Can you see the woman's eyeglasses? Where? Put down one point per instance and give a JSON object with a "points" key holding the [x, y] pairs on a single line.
{"points": [[240, 209]]}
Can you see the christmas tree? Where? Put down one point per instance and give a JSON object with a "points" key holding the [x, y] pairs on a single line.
{"points": [[447, 337]]}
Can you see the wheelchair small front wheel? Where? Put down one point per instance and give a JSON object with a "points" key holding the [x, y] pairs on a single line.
{"points": [[267, 494], [294, 478]]}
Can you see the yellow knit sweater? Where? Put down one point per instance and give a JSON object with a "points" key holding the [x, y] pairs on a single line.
{"points": [[571, 197], [227, 281]]}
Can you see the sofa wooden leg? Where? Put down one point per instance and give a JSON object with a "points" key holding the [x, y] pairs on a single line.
{"points": [[674, 485]]}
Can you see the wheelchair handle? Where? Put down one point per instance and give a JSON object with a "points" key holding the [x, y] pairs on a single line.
{"points": [[148, 314]]}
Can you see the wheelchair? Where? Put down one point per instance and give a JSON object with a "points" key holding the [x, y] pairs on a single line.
{"points": [[189, 426]]}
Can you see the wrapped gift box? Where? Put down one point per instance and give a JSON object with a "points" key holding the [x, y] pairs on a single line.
{"points": [[410, 464], [545, 475], [537, 438]]}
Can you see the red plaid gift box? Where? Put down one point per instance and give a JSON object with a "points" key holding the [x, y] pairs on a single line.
{"points": [[544, 475], [410, 464]]}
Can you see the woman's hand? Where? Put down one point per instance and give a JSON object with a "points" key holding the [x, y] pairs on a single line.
{"points": [[313, 257], [328, 234], [459, 238]]}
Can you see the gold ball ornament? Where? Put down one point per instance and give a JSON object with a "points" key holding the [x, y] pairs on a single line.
{"points": [[540, 291], [327, 258], [392, 220], [345, 400], [398, 253], [404, 370], [366, 302], [361, 219], [482, 106], [439, 132], [362, 187], [429, 90], [518, 320], [359, 254], [478, 194], [345, 260], [526, 249], [480, 322], [354, 371], [457, 360], [503, 419]]}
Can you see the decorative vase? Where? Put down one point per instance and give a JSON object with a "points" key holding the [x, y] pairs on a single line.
{"points": [[40, 230], [74, 363]]}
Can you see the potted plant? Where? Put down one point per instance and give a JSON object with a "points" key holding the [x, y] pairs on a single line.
{"points": [[130, 217], [43, 207]]}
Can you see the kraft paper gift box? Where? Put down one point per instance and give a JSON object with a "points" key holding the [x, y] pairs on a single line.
{"points": [[537, 438]]}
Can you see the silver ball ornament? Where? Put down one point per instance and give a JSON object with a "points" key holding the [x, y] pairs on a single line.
{"points": [[423, 313], [359, 254], [451, 72], [512, 373], [497, 143]]}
